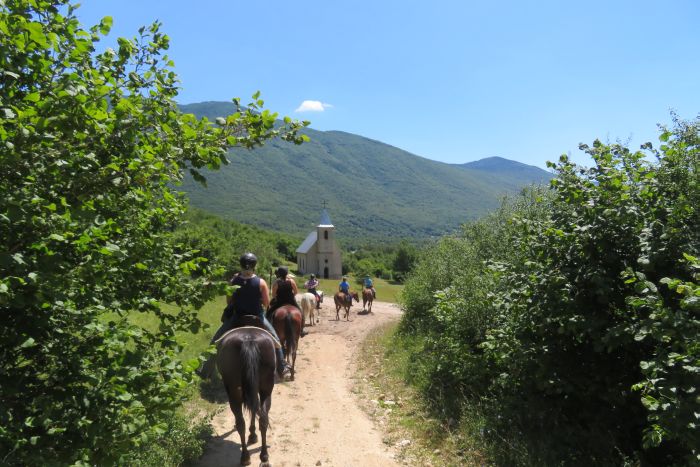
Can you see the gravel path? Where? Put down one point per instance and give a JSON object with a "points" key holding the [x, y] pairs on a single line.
{"points": [[316, 420]]}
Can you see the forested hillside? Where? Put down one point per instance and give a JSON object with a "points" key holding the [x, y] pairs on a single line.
{"points": [[372, 189]]}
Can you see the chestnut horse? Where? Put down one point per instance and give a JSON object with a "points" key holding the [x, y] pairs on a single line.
{"points": [[246, 361], [341, 300], [367, 298], [287, 321]]}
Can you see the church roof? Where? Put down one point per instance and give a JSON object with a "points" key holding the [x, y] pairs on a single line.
{"points": [[308, 243], [325, 219]]}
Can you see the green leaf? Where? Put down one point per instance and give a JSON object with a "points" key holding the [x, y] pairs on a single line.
{"points": [[36, 33], [106, 25], [28, 343]]}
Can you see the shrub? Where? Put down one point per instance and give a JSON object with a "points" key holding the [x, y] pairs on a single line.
{"points": [[573, 320], [92, 145]]}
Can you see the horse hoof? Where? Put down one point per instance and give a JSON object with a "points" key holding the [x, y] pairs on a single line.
{"points": [[265, 464], [245, 459], [252, 439]]}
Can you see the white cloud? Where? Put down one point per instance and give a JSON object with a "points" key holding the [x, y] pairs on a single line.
{"points": [[313, 106]]}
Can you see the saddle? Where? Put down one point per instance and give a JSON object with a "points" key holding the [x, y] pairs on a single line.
{"points": [[250, 322]]}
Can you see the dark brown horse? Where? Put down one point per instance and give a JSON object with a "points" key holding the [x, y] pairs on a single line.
{"points": [[367, 299], [287, 321], [341, 300], [246, 362]]}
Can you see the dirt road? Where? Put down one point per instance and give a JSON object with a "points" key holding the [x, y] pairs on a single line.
{"points": [[315, 420]]}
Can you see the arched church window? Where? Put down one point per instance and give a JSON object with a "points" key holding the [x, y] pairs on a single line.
{"points": [[325, 234]]}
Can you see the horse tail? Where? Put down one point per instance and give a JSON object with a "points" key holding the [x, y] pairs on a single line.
{"points": [[290, 335], [250, 359]]}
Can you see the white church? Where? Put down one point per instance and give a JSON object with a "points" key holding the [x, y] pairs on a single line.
{"points": [[319, 253]]}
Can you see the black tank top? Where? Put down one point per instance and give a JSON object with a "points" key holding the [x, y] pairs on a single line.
{"points": [[285, 293], [247, 299]]}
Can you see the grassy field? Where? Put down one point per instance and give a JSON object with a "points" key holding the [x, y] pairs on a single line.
{"points": [[194, 344]]}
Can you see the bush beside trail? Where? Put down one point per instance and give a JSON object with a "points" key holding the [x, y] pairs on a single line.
{"points": [[571, 316], [93, 144]]}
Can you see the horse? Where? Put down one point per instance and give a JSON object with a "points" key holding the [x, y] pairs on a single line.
{"points": [[367, 298], [287, 321], [308, 308], [246, 362], [340, 299]]}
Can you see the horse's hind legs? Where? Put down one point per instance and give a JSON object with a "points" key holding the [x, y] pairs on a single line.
{"points": [[264, 422], [240, 427], [252, 437]]}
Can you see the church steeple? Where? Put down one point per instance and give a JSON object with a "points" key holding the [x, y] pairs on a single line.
{"points": [[325, 219]]}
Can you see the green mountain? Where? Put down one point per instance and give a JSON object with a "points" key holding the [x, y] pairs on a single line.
{"points": [[511, 173], [372, 189]]}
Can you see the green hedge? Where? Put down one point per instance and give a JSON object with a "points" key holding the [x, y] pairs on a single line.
{"points": [[574, 319]]}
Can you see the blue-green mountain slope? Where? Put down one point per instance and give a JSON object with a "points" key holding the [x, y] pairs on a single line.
{"points": [[372, 189]]}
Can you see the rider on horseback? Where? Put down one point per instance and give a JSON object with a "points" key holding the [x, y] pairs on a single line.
{"points": [[369, 285], [249, 299], [344, 287], [284, 290], [311, 285]]}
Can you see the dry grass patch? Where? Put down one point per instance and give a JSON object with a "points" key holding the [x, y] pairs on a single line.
{"points": [[417, 437]]}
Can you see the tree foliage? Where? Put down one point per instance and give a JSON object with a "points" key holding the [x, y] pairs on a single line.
{"points": [[222, 241], [577, 329], [92, 144]]}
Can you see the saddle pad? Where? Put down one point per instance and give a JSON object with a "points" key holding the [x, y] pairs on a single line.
{"points": [[276, 342]]}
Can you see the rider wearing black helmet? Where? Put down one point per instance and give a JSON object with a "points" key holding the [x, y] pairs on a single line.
{"points": [[251, 297], [284, 290]]}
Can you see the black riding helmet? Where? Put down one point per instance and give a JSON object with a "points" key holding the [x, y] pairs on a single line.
{"points": [[313, 276], [282, 272], [248, 261]]}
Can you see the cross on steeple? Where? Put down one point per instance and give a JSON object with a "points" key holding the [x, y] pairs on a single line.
{"points": [[324, 204]]}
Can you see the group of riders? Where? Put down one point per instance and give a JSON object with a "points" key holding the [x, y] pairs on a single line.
{"points": [[252, 297]]}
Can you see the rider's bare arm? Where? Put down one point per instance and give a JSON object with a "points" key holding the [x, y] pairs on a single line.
{"points": [[294, 287], [229, 298], [265, 293]]}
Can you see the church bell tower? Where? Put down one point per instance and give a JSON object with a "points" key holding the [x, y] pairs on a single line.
{"points": [[329, 265]]}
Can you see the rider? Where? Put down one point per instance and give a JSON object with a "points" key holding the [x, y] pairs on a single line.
{"points": [[344, 287], [311, 285], [370, 285], [284, 290], [249, 299]]}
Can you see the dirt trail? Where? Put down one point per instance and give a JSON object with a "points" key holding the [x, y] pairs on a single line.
{"points": [[316, 420]]}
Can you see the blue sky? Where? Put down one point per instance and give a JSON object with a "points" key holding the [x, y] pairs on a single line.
{"points": [[453, 81]]}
